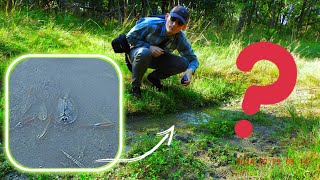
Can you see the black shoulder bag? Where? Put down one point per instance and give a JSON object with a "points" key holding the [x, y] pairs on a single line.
{"points": [[120, 44]]}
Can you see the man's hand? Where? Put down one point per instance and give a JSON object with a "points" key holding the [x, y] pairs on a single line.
{"points": [[188, 73], [156, 51]]}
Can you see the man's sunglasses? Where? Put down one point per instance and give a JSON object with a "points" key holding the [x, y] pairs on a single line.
{"points": [[174, 19]]}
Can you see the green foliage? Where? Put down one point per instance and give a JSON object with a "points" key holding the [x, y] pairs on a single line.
{"points": [[5, 167], [173, 99], [216, 81], [2, 120], [217, 127], [1, 124], [166, 162]]}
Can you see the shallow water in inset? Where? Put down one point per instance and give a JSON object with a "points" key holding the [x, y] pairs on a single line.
{"points": [[37, 139]]}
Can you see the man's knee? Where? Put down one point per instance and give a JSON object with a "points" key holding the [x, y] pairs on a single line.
{"points": [[184, 65], [142, 54]]}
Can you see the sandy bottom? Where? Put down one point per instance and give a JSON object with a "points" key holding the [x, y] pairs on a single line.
{"points": [[37, 138]]}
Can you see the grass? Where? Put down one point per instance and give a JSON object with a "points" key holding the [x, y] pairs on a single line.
{"points": [[217, 81], [173, 160], [300, 136], [297, 165]]}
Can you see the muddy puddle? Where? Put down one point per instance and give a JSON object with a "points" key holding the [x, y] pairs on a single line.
{"points": [[140, 125], [163, 122], [64, 112], [261, 143]]}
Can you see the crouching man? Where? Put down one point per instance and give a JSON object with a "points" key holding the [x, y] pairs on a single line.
{"points": [[152, 42]]}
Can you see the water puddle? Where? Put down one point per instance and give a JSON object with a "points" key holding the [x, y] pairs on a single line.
{"points": [[140, 124], [260, 142]]}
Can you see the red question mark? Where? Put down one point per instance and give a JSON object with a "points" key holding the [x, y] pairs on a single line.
{"points": [[270, 94]]}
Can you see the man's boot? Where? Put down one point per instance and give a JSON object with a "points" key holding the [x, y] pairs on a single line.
{"points": [[155, 82], [135, 91]]}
